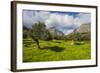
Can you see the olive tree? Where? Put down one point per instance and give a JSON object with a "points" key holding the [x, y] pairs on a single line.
{"points": [[39, 31]]}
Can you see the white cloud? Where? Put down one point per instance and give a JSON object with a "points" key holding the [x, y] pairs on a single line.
{"points": [[41, 15], [68, 19], [60, 20], [30, 17], [82, 18]]}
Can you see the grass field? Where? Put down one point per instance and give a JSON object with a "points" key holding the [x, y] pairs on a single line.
{"points": [[55, 50]]}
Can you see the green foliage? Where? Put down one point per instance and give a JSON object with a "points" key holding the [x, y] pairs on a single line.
{"points": [[47, 36], [25, 32], [55, 50], [25, 35], [39, 31]]}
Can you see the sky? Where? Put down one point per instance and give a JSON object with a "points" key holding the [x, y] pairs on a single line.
{"points": [[63, 21]]}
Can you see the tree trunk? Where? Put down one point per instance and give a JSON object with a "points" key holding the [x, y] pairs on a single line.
{"points": [[37, 42]]}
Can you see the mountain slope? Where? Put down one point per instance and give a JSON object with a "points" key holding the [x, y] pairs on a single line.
{"points": [[54, 31], [84, 28], [81, 33]]}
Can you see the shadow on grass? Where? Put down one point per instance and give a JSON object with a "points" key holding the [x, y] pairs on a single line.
{"points": [[79, 43], [54, 48]]}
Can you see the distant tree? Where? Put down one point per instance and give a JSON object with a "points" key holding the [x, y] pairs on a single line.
{"points": [[85, 36], [47, 35], [25, 32], [25, 35]]}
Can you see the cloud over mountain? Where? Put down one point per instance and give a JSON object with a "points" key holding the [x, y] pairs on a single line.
{"points": [[63, 21]]}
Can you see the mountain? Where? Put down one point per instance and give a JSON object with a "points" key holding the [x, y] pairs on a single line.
{"points": [[84, 28], [55, 31], [81, 33]]}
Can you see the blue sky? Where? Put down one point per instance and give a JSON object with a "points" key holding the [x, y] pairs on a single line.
{"points": [[63, 21]]}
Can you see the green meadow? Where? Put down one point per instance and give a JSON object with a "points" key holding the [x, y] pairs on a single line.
{"points": [[55, 50]]}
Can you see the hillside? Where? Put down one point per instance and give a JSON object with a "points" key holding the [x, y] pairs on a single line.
{"points": [[54, 31], [81, 33], [84, 28]]}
